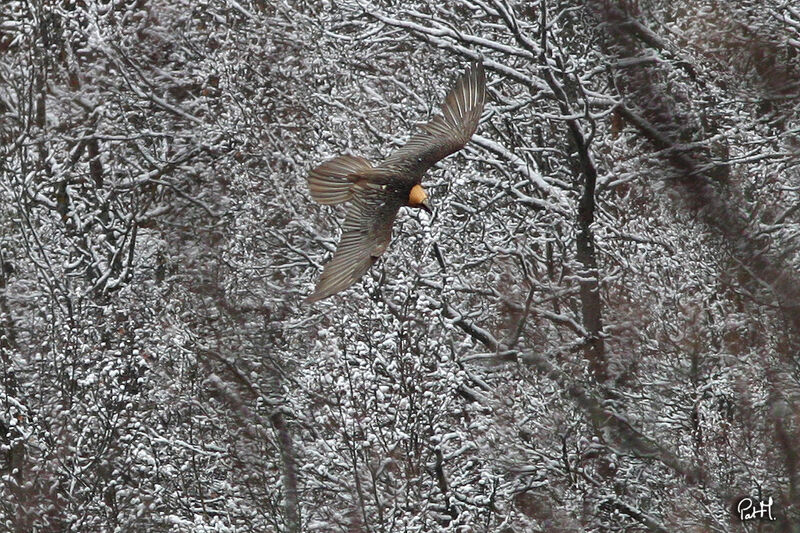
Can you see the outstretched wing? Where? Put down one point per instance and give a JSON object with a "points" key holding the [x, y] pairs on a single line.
{"points": [[448, 132], [366, 234]]}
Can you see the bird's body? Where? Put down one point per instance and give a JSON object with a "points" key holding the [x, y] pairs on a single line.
{"points": [[376, 194]]}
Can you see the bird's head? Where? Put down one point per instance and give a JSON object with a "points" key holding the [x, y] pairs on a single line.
{"points": [[417, 197]]}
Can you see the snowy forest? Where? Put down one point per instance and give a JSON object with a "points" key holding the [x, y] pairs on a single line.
{"points": [[597, 329]]}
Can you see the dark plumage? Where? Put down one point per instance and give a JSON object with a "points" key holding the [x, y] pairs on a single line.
{"points": [[377, 193]]}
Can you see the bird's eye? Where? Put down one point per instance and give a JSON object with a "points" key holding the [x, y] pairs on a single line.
{"points": [[383, 187]]}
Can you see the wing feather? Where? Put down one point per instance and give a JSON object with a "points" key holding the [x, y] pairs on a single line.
{"points": [[448, 132], [366, 233]]}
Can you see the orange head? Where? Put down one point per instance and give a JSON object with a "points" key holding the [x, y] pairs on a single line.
{"points": [[418, 198]]}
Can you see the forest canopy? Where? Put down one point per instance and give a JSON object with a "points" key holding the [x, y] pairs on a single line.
{"points": [[597, 329]]}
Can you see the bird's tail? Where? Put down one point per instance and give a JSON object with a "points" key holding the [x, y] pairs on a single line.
{"points": [[331, 182]]}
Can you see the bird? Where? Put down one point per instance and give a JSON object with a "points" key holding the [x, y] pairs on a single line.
{"points": [[377, 192]]}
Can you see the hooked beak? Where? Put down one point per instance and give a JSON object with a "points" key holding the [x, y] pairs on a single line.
{"points": [[426, 206]]}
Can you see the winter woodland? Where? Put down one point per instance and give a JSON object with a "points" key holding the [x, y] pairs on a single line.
{"points": [[598, 330]]}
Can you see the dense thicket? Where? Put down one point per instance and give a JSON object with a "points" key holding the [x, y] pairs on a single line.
{"points": [[598, 330]]}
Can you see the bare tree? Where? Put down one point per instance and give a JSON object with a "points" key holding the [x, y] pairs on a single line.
{"points": [[596, 330]]}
